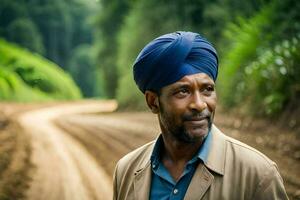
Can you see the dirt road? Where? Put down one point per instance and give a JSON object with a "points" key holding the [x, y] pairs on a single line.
{"points": [[75, 147], [63, 168]]}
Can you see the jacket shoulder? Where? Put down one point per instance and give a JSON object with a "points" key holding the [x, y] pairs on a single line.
{"points": [[248, 153], [135, 159]]}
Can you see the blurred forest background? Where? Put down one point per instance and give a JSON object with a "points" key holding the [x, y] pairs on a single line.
{"points": [[72, 49]]}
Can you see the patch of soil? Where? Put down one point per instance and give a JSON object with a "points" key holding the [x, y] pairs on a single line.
{"points": [[14, 160]]}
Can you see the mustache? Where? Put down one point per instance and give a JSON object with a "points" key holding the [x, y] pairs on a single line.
{"points": [[195, 115]]}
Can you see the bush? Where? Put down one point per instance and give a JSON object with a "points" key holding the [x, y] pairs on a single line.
{"points": [[258, 72], [245, 42], [24, 76], [13, 88], [273, 79]]}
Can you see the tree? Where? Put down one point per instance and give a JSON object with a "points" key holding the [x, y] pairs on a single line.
{"points": [[108, 24], [82, 67], [25, 33]]}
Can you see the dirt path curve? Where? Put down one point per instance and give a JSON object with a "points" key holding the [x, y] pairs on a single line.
{"points": [[110, 136], [64, 169]]}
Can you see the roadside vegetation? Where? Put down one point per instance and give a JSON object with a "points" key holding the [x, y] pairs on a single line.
{"points": [[259, 70], [61, 32], [26, 77]]}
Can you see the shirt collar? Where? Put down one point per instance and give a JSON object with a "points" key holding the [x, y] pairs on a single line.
{"points": [[215, 159], [155, 156], [202, 152]]}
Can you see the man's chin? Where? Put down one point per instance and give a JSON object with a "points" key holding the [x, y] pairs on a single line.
{"points": [[198, 133], [193, 135]]}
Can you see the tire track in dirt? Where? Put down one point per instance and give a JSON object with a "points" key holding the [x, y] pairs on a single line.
{"points": [[64, 169], [117, 129], [107, 138], [101, 149]]}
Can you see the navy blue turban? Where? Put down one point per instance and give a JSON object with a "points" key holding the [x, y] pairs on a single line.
{"points": [[170, 57]]}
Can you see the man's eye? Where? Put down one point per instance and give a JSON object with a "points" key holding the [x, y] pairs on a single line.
{"points": [[183, 91], [209, 88]]}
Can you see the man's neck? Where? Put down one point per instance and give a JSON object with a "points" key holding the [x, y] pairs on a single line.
{"points": [[178, 151], [176, 154]]}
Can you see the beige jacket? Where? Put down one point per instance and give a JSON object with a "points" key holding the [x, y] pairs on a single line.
{"points": [[233, 171]]}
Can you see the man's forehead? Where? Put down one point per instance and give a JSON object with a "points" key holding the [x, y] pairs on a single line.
{"points": [[199, 78]]}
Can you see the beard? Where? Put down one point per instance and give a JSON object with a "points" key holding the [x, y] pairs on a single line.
{"points": [[182, 132]]}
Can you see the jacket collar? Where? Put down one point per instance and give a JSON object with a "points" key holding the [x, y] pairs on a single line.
{"points": [[142, 176], [217, 152], [216, 156], [215, 162]]}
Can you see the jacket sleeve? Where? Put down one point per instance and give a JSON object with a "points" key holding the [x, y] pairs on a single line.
{"points": [[271, 186], [115, 183]]}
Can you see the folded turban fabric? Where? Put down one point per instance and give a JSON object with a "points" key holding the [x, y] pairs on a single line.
{"points": [[170, 57]]}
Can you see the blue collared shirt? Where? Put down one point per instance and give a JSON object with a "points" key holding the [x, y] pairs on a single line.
{"points": [[163, 186]]}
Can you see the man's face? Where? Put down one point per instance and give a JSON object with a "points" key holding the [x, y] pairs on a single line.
{"points": [[186, 107]]}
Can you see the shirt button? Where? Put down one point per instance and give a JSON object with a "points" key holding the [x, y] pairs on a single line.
{"points": [[153, 166], [175, 191]]}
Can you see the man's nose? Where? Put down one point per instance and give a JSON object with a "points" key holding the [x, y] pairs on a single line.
{"points": [[197, 102]]}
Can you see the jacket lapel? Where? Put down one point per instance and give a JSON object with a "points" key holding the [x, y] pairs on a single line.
{"points": [[142, 176], [200, 183], [203, 178], [142, 183], [217, 152]]}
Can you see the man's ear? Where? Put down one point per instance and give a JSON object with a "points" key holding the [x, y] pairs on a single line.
{"points": [[152, 101]]}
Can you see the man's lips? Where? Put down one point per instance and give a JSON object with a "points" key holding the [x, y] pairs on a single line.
{"points": [[197, 121], [197, 118]]}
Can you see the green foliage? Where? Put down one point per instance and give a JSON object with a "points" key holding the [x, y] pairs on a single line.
{"points": [[26, 77], [83, 70], [245, 41], [53, 28], [25, 33], [16, 25], [274, 79], [131, 97], [54, 21], [108, 23], [285, 23], [10, 11], [258, 72], [13, 88]]}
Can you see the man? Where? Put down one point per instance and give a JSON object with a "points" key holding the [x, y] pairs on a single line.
{"points": [[191, 158]]}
